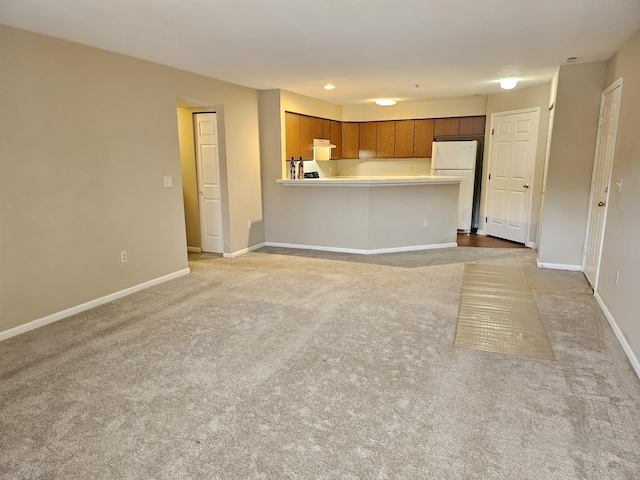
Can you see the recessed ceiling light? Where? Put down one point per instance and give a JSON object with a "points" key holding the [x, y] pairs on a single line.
{"points": [[328, 86], [385, 102], [508, 83]]}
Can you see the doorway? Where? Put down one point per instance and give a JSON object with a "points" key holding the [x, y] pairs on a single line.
{"points": [[513, 144], [601, 181]]}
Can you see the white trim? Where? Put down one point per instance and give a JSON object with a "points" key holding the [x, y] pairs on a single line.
{"points": [[243, 251], [362, 251], [194, 249], [481, 232], [54, 317], [559, 266], [619, 335], [531, 245]]}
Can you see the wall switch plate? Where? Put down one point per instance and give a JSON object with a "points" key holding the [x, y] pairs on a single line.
{"points": [[123, 256], [426, 222], [249, 224], [168, 181]]}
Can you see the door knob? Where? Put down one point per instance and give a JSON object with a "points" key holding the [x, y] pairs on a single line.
{"points": [[601, 204], [526, 185]]}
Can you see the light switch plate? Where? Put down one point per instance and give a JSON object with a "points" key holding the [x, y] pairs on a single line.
{"points": [[168, 181]]}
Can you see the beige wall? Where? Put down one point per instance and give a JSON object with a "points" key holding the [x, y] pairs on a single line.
{"points": [[189, 178], [447, 107], [575, 124], [518, 99], [620, 252], [87, 137]]}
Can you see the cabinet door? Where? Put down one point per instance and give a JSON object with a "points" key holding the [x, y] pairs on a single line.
{"points": [[292, 128], [350, 140], [317, 128], [368, 134], [326, 129], [404, 138], [385, 139], [336, 139], [472, 125], [423, 138], [306, 137], [447, 127]]}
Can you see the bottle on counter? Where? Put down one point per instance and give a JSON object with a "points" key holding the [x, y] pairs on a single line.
{"points": [[300, 169], [292, 169]]}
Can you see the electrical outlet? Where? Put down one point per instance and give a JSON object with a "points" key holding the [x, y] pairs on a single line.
{"points": [[123, 256], [249, 224], [426, 222], [168, 181]]}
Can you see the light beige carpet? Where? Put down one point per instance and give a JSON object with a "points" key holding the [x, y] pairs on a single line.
{"points": [[285, 364]]}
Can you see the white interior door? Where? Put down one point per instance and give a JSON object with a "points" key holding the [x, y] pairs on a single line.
{"points": [[208, 171], [601, 180], [510, 179]]}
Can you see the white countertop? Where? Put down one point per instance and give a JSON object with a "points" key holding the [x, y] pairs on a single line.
{"points": [[378, 181]]}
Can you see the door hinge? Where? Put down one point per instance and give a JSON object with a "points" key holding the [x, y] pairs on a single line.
{"points": [[489, 176], [486, 219], [492, 131]]}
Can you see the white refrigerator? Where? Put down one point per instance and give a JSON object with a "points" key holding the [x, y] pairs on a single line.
{"points": [[458, 159]]}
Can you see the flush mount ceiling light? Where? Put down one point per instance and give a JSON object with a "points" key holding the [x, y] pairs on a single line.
{"points": [[508, 83], [385, 102], [328, 86]]}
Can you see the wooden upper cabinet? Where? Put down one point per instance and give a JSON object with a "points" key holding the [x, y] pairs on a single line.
{"points": [[404, 136], [447, 127], [317, 128], [292, 132], [336, 138], [368, 140], [472, 125], [306, 137], [385, 139], [423, 138], [350, 139], [326, 129]]}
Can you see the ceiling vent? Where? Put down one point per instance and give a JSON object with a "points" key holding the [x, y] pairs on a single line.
{"points": [[573, 59]]}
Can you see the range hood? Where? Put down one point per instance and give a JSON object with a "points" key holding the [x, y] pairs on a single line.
{"points": [[322, 149]]}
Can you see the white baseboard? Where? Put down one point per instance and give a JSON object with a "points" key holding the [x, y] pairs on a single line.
{"points": [[481, 232], [54, 317], [531, 245], [560, 266], [361, 251], [619, 335], [194, 249], [243, 251]]}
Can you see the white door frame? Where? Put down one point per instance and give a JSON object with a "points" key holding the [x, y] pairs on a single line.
{"points": [[531, 173], [617, 84]]}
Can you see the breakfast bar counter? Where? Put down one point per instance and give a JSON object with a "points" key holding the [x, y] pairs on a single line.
{"points": [[366, 214]]}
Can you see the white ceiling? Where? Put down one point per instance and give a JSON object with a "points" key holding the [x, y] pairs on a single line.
{"points": [[367, 48]]}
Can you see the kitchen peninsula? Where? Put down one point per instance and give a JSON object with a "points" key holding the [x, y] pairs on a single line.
{"points": [[367, 215]]}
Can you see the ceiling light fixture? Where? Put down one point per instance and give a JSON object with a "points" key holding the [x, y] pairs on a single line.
{"points": [[328, 86], [385, 102], [508, 83]]}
